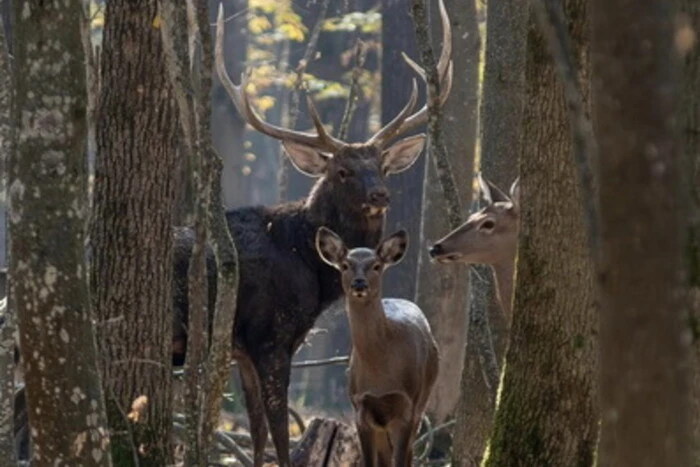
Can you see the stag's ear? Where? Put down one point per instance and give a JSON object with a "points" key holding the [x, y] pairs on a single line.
{"points": [[402, 154], [490, 192], [330, 247], [515, 193], [393, 248], [307, 160]]}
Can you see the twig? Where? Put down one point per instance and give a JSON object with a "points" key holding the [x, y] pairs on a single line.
{"points": [[237, 451], [554, 25], [353, 96], [436, 144], [297, 419]]}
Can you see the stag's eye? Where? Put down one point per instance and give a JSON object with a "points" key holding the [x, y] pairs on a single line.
{"points": [[487, 225], [343, 174]]}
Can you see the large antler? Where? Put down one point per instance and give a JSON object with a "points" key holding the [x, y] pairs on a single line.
{"points": [[322, 140], [403, 122]]}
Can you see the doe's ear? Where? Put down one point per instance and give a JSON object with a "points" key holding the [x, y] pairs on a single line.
{"points": [[393, 248], [490, 192], [402, 154], [515, 193], [330, 247], [307, 160]]}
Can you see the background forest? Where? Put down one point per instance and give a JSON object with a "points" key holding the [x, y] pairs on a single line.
{"points": [[567, 327]]}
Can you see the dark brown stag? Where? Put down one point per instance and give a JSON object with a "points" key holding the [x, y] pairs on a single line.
{"points": [[284, 285]]}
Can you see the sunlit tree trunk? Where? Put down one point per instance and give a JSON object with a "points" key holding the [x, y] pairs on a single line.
{"points": [[48, 213], [644, 334], [546, 409], [131, 266]]}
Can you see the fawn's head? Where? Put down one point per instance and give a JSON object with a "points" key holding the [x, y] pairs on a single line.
{"points": [[361, 269], [489, 235], [352, 173]]}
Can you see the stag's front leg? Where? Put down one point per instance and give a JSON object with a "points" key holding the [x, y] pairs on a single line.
{"points": [[255, 408], [274, 369]]}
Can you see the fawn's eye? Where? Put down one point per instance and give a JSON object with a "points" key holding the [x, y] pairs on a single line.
{"points": [[487, 225]]}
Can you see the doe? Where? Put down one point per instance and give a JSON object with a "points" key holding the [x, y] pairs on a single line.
{"points": [[394, 359]]}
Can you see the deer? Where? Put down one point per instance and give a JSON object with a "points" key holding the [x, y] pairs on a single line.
{"points": [[284, 286], [394, 360], [488, 236]]}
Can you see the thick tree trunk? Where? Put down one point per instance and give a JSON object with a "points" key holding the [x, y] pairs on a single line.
{"points": [[546, 410], [500, 122], [48, 211], [442, 291], [690, 29], [643, 205], [132, 241], [398, 35]]}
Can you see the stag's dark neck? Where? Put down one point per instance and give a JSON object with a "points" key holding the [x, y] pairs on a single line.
{"points": [[349, 222]]}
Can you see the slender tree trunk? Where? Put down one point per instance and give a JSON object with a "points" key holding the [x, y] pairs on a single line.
{"points": [[546, 410], [7, 328], [398, 35], [442, 291], [132, 242], [48, 201], [500, 122], [643, 205], [689, 29]]}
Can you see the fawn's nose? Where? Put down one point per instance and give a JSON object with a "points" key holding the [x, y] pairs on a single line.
{"points": [[359, 285], [435, 250], [379, 197]]}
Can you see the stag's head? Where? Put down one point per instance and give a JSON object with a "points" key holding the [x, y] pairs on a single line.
{"points": [[356, 171], [489, 236]]}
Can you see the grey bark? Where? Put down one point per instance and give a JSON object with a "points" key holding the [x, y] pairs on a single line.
{"points": [[442, 291], [644, 337], [500, 125], [48, 213], [137, 134], [8, 326], [546, 413]]}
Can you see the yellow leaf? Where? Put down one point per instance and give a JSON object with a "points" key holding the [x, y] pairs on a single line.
{"points": [[259, 24], [156, 22]]}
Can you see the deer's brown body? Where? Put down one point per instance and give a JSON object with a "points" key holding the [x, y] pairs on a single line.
{"points": [[489, 236], [394, 361]]}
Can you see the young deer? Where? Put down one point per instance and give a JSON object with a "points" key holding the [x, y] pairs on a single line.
{"points": [[489, 236], [394, 359]]}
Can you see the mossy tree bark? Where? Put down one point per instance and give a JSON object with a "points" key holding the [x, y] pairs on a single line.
{"points": [[131, 266], [644, 330], [48, 212], [546, 409], [500, 121]]}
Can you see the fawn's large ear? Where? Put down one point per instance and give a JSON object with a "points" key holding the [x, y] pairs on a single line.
{"points": [[402, 154], [330, 247], [490, 192], [393, 248], [307, 160]]}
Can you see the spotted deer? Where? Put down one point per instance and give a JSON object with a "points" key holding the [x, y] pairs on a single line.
{"points": [[284, 286], [489, 236], [394, 359]]}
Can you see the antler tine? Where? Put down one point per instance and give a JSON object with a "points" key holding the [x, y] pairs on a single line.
{"points": [[322, 141], [445, 73], [320, 129], [390, 129]]}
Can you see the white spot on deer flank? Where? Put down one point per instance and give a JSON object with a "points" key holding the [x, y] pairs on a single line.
{"points": [[64, 335], [50, 276], [77, 396]]}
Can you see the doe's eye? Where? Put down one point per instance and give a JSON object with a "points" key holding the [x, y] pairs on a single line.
{"points": [[344, 266], [377, 267], [487, 225]]}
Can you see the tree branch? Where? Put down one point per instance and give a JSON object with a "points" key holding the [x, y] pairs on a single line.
{"points": [[353, 96]]}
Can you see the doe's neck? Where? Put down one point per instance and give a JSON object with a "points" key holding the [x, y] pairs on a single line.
{"points": [[368, 325]]}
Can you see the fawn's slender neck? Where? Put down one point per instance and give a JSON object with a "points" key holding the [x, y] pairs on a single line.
{"points": [[503, 272], [368, 326]]}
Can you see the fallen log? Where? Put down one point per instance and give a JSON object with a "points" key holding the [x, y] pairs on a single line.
{"points": [[327, 443]]}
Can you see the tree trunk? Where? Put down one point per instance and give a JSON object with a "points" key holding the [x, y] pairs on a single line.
{"points": [[48, 211], [137, 131], [690, 29], [442, 291], [501, 128], [546, 410], [643, 205], [398, 35]]}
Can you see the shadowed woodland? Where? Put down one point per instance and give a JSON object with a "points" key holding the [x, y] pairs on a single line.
{"points": [[350, 233]]}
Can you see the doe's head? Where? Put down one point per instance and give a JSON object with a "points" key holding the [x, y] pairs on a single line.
{"points": [[361, 269], [489, 235]]}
